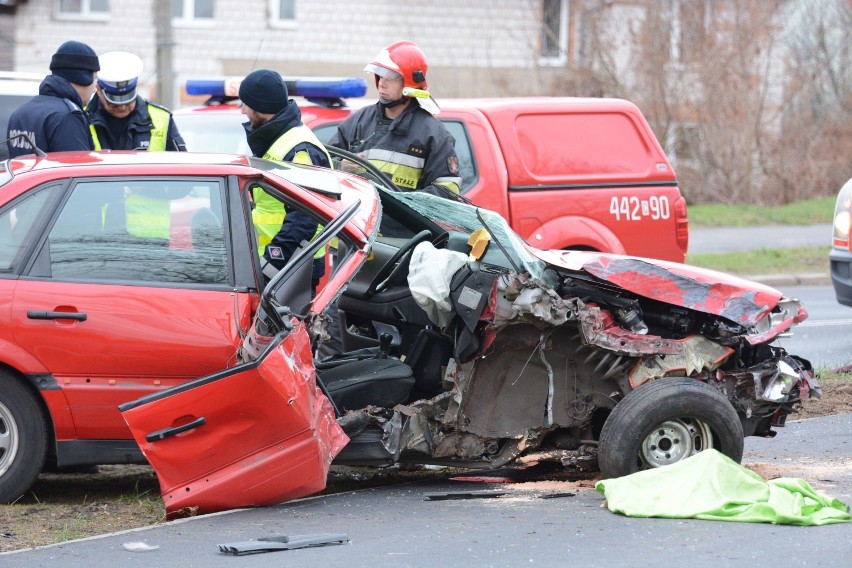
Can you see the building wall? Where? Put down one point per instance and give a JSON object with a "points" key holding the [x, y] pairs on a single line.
{"points": [[474, 47]]}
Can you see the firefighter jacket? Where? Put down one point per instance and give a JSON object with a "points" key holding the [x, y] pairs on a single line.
{"points": [[415, 149], [280, 231], [149, 127], [54, 119]]}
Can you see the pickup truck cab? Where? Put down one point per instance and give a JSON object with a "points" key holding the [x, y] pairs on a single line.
{"points": [[567, 173]]}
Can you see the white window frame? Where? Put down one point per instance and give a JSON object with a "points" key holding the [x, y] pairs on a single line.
{"points": [[562, 57], [85, 13], [188, 19], [275, 20]]}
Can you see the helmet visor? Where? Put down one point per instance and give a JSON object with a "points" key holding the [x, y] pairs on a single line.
{"points": [[383, 72]]}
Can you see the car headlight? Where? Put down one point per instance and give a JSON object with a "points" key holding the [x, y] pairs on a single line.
{"points": [[842, 216]]}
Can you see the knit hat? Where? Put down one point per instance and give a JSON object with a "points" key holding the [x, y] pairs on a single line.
{"points": [[264, 91], [75, 62]]}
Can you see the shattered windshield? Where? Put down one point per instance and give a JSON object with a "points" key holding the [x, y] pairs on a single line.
{"points": [[461, 217]]}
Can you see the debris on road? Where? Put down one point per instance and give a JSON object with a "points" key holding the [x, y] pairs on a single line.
{"points": [[284, 542]]}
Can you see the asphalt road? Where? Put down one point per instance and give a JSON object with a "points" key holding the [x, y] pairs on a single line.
{"points": [[731, 239], [396, 527]]}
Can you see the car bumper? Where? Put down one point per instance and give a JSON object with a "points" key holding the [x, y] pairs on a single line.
{"points": [[841, 275]]}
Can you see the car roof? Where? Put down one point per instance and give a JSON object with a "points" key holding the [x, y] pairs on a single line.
{"points": [[31, 163]]}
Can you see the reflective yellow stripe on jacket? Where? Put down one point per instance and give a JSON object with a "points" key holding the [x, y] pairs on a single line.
{"points": [[268, 211]]}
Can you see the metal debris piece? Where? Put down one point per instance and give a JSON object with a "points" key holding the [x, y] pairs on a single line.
{"points": [[284, 542], [463, 495], [556, 495]]}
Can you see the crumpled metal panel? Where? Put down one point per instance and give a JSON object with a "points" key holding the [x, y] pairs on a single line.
{"points": [[741, 301], [697, 354], [516, 297]]}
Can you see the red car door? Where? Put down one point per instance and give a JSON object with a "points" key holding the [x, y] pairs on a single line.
{"points": [[261, 432], [115, 307]]}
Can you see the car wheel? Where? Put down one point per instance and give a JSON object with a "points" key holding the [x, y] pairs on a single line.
{"points": [[666, 421], [23, 439]]}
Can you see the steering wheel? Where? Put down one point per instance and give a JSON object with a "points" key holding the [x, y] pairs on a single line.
{"points": [[397, 264]]}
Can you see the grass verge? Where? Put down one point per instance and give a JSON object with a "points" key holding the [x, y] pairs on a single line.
{"points": [[807, 212]]}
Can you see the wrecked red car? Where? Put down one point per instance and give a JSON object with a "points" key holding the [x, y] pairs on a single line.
{"points": [[466, 346]]}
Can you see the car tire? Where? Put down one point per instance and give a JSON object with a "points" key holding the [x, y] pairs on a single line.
{"points": [[23, 438], [666, 421]]}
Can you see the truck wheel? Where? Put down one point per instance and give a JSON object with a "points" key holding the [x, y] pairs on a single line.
{"points": [[666, 421], [23, 439]]}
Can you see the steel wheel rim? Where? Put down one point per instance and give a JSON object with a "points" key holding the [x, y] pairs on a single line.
{"points": [[8, 438], [673, 441]]}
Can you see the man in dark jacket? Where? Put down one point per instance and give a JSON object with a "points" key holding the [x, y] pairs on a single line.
{"points": [[54, 119], [120, 118], [399, 134], [275, 132]]}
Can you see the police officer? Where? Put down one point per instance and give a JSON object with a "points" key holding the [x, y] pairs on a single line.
{"points": [[275, 132], [398, 135], [120, 118], [54, 119]]}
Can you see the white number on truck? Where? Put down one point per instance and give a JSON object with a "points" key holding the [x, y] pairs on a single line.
{"points": [[635, 209]]}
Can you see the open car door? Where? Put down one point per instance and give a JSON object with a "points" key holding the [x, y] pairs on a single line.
{"points": [[259, 433]]}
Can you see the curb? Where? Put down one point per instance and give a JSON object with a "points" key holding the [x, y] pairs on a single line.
{"points": [[808, 279]]}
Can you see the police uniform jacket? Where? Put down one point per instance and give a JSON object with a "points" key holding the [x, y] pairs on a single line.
{"points": [[297, 226], [54, 118], [415, 148], [132, 132]]}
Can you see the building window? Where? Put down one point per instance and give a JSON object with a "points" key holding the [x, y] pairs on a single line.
{"points": [[685, 142], [192, 10], [82, 9], [553, 43], [282, 13], [692, 30]]}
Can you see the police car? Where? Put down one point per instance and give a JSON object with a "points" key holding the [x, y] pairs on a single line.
{"points": [[216, 126]]}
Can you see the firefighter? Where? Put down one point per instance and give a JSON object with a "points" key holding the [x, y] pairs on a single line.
{"points": [[120, 118], [399, 134], [275, 132], [54, 119]]}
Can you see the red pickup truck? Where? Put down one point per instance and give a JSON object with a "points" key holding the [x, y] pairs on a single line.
{"points": [[567, 173]]}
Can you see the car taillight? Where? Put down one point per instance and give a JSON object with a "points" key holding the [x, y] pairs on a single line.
{"points": [[681, 224], [842, 212]]}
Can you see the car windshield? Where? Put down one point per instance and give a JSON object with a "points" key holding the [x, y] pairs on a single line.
{"points": [[454, 216], [213, 132]]}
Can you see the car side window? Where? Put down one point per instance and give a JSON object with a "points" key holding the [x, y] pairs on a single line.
{"points": [[467, 166], [18, 223], [139, 230]]}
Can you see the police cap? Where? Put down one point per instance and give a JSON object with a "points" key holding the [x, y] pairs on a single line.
{"points": [[118, 76]]}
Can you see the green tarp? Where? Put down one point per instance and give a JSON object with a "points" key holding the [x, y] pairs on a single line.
{"points": [[711, 486]]}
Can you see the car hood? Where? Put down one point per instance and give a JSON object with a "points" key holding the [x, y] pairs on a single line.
{"points": [[742, 301]]}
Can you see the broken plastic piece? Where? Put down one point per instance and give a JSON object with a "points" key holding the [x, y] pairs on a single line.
{"points": [[556, 495], [478, 242], [283, 542], [465, 495]]}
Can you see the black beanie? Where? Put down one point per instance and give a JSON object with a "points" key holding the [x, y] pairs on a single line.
{"points": [[75, 62], [264, 91]]}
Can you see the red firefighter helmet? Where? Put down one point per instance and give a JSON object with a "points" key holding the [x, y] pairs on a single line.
{"points": [[400, 58]]}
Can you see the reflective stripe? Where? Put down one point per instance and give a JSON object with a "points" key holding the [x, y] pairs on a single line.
{"points": [[290, 140], [451, 183], [403, 176], [95, 140], [395, 158], [160, 119]]}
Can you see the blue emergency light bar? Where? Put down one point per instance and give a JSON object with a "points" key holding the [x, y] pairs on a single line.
{"points": [[329, 88]]}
